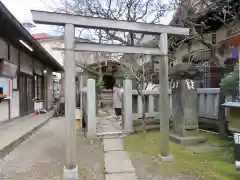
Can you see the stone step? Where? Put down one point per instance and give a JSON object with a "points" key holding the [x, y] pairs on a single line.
{"points": [[121, 176], [110, 135]]}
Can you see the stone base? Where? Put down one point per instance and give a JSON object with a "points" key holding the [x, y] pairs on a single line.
{"points": [[187, 141], [129, 132], [164, 158], [91, 136], [70, 174]]}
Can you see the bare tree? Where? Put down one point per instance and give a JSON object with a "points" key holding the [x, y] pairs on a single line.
{"points": [[200, 16], [142, 75], [149, 11]]}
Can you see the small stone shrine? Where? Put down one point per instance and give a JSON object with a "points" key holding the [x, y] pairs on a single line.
{"points": [[184, 104]]}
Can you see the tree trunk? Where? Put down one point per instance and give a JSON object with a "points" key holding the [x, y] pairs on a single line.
{"points": [[222, 125]]}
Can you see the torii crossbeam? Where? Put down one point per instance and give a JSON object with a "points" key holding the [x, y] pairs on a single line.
{"points": [[72, 21]]}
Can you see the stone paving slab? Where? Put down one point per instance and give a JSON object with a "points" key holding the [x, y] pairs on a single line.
{"points": [[109, 128], [117, 162], [113, 144], [121, 176]]}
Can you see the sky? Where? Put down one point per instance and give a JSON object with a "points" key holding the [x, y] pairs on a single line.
{"points": [[21, 10]]}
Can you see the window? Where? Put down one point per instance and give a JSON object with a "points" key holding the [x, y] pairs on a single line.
{"points": [[38, 87]]}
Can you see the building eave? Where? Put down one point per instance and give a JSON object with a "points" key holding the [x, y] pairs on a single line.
{"points": [[18, 32]]}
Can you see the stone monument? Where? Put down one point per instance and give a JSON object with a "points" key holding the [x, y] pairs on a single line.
{"points": [[184, 104]]}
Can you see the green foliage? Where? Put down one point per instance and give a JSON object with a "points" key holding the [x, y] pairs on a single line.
{"points": [[230, 82]]}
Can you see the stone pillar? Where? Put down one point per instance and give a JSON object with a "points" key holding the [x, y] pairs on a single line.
{"points": [[70, 169], [127, 106], [185, 116], [91, 109], [164, 99], [150, 104]]}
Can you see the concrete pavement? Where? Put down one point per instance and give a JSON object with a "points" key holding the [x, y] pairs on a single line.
{"points": [[42, 155], [13, 132]]}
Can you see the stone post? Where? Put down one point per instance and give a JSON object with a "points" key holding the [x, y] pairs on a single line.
{"points": [[70, 170], [91, 109], [164, 99], [127, 106], [150, 104]]}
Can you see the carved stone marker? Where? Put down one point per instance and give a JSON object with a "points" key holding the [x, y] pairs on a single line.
{"points": [[184, 104]]}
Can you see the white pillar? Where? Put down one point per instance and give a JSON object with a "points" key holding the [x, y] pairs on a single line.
{"points": [[70, 100], [150, 104], [164, 98], [127, 106], [91, 109]]}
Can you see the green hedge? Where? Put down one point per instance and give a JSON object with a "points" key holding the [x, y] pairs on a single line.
{"points": [[230, 82]]}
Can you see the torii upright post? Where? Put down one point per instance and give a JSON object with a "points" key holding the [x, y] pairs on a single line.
{"points": [[164, 99], [70, 169]]}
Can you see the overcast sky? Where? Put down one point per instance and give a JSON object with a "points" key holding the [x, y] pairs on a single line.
{"points": [[21, 10]]}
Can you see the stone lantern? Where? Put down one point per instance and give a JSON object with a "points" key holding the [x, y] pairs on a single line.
{"points": [[184, 104]]}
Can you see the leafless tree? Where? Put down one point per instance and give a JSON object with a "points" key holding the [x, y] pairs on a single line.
{"points": [[149, 11], [142, 75], [193, 14]]}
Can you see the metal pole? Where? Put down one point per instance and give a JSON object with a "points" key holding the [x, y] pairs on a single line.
{"points": [[70, 97], [164, 96]]}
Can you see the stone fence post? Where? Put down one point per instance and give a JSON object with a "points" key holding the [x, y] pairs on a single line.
{"points": [[127, 106], [91, 109]]}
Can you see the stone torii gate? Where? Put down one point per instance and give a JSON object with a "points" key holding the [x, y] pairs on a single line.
{"points": [[72, 21]]}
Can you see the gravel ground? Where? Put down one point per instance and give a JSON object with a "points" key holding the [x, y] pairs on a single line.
{"points": [[41, 156], [146, 169]]}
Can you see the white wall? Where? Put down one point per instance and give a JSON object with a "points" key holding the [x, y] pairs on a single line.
{"points": [[14, 105], [4, 111], [80, 57], [48, 46]]}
